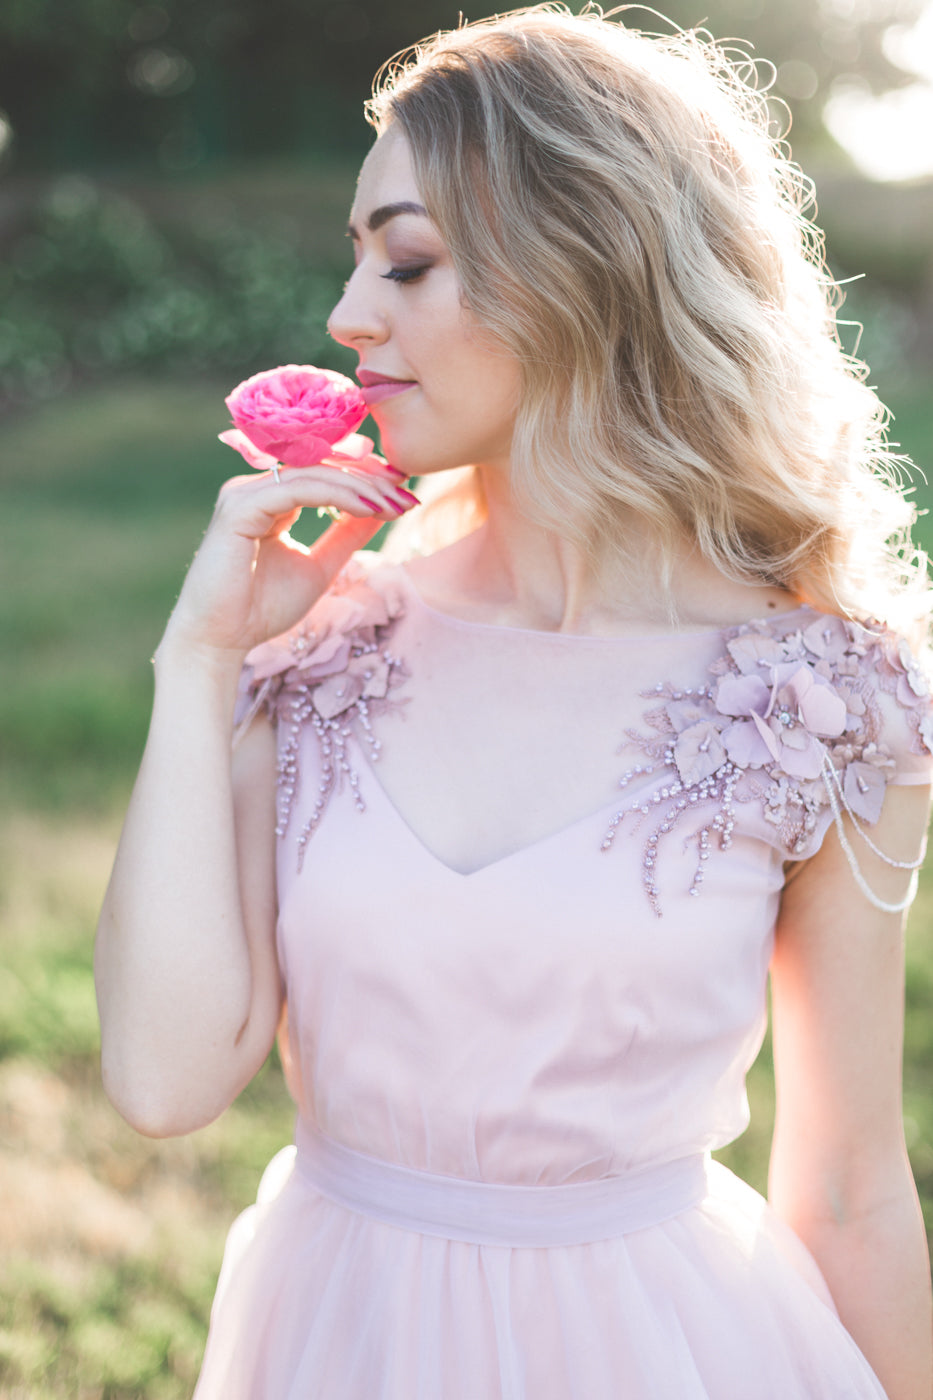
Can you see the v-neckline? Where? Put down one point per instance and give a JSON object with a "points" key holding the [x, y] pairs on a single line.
{"points": [[529, 846]]}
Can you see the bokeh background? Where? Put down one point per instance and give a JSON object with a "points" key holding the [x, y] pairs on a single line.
{"points": [[174, 183]]}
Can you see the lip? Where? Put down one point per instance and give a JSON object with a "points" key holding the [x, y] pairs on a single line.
{"points": [[368, 377], [377, 387], [385, 389]]}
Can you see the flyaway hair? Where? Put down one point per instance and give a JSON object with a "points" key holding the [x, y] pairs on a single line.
{"points": [[624, 221]]}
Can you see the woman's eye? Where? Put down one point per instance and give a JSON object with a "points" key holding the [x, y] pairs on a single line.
{"points": [[406, 274]]}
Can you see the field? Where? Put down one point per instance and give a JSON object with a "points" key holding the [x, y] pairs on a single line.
{"points": [[110, 1243]]}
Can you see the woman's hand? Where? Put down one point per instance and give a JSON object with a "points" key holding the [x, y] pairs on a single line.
{"points": [[188, 980], [249, 579]]}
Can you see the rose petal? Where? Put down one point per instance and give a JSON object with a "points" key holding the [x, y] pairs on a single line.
{"points": [[353, 446], [261, 461], [297, 412], [304, 449]]}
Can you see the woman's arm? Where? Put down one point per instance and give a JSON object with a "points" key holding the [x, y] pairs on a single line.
{"points": [[187, 979], [839, 1169]]}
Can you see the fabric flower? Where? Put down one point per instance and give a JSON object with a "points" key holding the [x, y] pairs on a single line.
{"points": [[699, 752], [752, 652], [864, 787], [320, 644], [296, 414], [782, 724], [828, 638], [333, 671], [792, 722], [912, 685]]}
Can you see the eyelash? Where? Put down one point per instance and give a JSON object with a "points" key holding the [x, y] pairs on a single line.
{"points": [[403, 275]]}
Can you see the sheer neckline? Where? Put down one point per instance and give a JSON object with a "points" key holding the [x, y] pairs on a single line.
{"points": [[507, 629]]}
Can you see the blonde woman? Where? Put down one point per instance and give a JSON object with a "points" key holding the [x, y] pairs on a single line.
{"points": [[520, 818]]}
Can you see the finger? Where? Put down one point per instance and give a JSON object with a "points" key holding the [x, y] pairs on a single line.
{"points": [[261, 507], [364, 472], [378, 466], [331, 551]]}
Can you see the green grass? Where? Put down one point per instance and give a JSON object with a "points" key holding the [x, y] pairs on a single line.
{"points": [[110, 1243]]}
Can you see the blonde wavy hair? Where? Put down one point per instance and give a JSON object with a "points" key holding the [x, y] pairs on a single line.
{"points": [[622, 219]]}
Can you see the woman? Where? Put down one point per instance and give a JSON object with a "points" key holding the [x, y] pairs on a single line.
{"points": [[634, 746]]}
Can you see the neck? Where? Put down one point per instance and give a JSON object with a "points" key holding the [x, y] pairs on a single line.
{"points": [[535, 577], [514, 572]]}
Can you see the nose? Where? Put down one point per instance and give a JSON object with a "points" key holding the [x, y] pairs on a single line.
{"points": [[356, 319]]}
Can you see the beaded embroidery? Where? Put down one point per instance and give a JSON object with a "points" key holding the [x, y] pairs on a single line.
{"points": [[334, 670], [792, 721]]}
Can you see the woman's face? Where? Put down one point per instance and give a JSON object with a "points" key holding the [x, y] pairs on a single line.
{"points": [[443, 392]]}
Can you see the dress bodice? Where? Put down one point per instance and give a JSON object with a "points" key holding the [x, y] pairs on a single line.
{"points": [[529, 881]]}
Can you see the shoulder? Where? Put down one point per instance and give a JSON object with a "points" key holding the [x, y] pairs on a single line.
{"points": [[797, 715], [342, 636], [823, 717]]}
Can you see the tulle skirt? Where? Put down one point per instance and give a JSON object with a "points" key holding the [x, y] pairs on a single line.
{"points": [[720, 1301]]}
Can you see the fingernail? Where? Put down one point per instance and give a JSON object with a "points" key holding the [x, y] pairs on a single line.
{"points": [[397, 470], [409, 496], [375, 504]]}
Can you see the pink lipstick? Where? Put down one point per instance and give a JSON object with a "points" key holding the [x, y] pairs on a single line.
{"points": [[377, 387]]}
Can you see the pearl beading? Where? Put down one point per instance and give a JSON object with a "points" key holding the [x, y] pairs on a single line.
{"points": [[691, 737], [294, 704], [688, 740], [838, 802]]}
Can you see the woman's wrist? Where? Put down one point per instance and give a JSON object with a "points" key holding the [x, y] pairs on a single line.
{"points": [[183, 654]]}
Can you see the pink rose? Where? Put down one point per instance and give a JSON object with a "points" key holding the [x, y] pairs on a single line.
{"points": [[296, 413]]}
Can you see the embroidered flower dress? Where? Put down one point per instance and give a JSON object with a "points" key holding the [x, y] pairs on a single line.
{"points": [[509, 1075]]}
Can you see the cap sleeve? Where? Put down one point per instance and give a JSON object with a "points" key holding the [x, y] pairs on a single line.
{"points": [[317, 647], [332, 673], [800, 723], [885, 739]]}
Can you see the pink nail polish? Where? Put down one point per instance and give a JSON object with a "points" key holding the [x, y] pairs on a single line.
{"points": [[397, 470], [375, 504], [409, 496]]}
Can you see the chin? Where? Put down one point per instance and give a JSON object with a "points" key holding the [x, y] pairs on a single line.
{"points": [[413, 461]]}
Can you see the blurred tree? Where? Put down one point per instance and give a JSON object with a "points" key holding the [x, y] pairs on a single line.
{"points": [[177, 83]]}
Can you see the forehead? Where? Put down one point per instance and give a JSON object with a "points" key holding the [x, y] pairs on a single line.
{"points": [[386, 176]]}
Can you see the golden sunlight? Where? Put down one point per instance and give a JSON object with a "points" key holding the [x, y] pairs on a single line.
{"points": [[890, 137]]}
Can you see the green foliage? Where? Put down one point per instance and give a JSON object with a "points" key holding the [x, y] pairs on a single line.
{"points": [[92, 286], [184, 82]]}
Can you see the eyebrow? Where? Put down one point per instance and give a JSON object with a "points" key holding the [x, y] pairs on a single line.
{"points": [[385, 212]]}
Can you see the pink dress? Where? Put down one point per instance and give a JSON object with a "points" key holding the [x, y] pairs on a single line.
{"points": [[509, 1075]]}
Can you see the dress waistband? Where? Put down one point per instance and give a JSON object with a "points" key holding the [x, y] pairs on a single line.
{"points": [[479, 1212]]}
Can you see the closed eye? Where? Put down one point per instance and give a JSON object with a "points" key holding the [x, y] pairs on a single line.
{"points": [[406, 274]]}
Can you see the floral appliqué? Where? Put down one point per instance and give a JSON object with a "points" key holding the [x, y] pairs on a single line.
{"points": [[791, 721], [333, 670]]}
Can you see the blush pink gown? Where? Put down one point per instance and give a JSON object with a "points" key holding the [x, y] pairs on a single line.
{"points": [[509, 1075]]}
